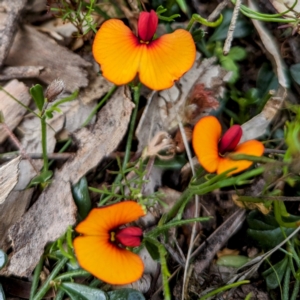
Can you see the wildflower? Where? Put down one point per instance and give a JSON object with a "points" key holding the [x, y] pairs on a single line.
{"points": [[213, 152], [159, 62], [101, 249]]}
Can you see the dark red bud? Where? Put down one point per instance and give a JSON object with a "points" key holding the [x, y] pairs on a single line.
{"points": [[230, 139], [147, 25], [130, 236]]}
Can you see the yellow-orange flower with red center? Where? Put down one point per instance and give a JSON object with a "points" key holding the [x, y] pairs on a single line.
{"points": [[101, 248], [159, 62], [213, 152]]}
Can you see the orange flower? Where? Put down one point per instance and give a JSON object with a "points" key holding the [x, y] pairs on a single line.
{"points": [[101, 248], [213, 152], [159, 62]]}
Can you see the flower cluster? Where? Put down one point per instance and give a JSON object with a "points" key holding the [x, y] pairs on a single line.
{"points": [[101, 247], [159, 62], [213, 152]]}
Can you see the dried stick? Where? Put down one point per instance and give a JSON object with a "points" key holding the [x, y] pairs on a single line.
{"points": [[227, 44]]}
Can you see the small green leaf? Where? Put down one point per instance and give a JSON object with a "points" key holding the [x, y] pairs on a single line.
{"points": [[275, 274], [295, 72], [81, 292], [237, 53], [152, 249], [3, 259], [176, 163], [43, 177], [266, 80], [125, 294], [183, 6], [38, 96], [81, 197], [235, 261]]}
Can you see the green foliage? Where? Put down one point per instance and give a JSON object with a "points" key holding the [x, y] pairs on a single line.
{"points": [[81, 292], [295, 72], [275, 273], [78, 12], [2, 295], [82, 198], [243, 28], [125, 294], [37, 95]]}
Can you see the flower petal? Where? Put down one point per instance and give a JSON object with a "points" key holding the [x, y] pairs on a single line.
{"points": [[166, 59], [206, 135], [101, 221], [117, 50], [106, 261], [252, 147], [147, 25]]}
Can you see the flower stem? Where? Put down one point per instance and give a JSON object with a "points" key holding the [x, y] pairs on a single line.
{"points": [[44, 143], [136, 98], [47, 284], [199, 19], [96, 108]]}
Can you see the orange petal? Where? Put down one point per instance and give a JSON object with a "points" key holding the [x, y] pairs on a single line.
{"points": [[106, 261], [252, 147], [101, 220], [166, 59], [117, 50], [206, 135]]}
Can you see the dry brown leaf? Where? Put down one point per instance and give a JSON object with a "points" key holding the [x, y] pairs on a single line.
{"points": [[183, 100], [55, 210], [227, 251], [249, 205], [12, 111], [10, 12], [9, 73], [257, 126], [40, 50], [9, 173], [283, 5], [11, 211]]}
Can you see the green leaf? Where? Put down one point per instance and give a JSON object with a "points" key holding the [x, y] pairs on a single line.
{"points": [[176, 163], [43, 177], [242, 29], [275, 274], [2, 295], [237, 53], [81, 197], [37, 94], [258, 221], [268, 239], [3, 259], [81, 292], [152, 249], [235, 261], [266, 80], [295, 72], [125, 294], [183, 6]]}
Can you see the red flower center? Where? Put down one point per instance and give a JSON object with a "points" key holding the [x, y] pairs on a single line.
{"points": [[147, 25], [127, 237], [230, 139]]}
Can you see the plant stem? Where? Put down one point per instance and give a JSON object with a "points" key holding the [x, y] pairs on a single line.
{"points": [[136, 98], [47, 284], [44, 143], [96, 108], [224, 288], [36, 277]]}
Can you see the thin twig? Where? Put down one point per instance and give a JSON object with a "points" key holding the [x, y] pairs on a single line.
{"points": [[217, 11], [18, 144], [227, 44], [56, 156]]}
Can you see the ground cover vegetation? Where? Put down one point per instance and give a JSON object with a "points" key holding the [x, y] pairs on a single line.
{"points": [[149, 149]]}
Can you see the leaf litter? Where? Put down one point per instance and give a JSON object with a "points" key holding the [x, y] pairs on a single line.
{"points": [[52, 210]]}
